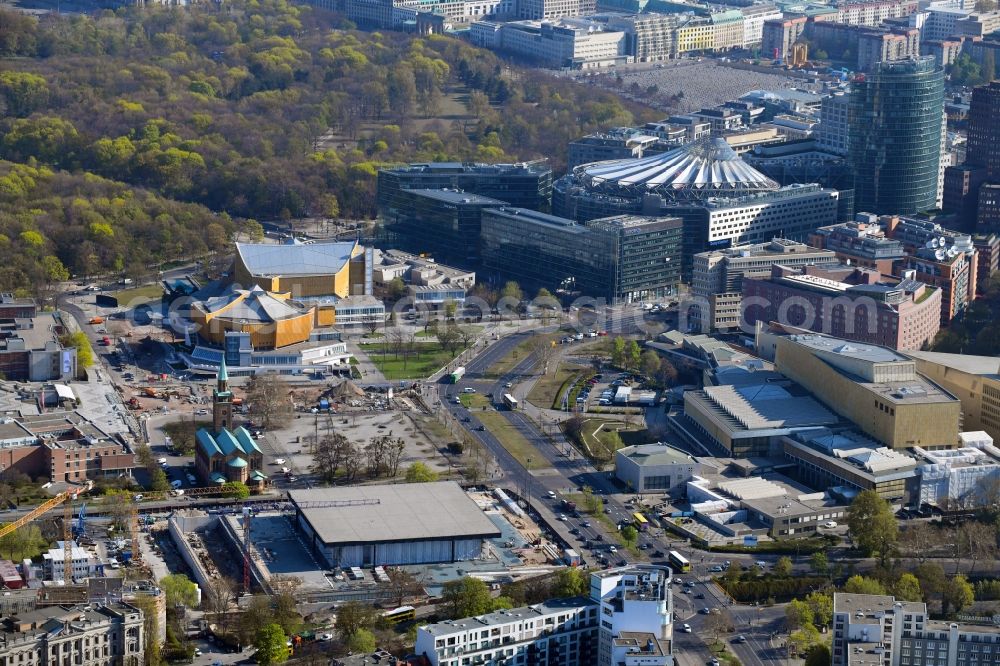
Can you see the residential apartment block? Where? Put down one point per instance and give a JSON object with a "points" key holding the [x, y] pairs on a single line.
{"points": [[626, 619], [871, 629]]}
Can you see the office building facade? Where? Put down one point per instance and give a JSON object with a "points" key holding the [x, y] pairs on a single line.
{"points": [[527, 185], [895, 136], [717, 277], [846, 302], [443, 223], [620, 259]]}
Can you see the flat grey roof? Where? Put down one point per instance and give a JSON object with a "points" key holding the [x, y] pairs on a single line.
{"points": [[973, 365], [457, 197], [507, 616], [850, 349], [403, 512], [655, 454], [295, 258], [869, 604]]}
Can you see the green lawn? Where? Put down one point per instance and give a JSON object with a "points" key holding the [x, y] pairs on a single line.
{"points": [[546, 390], [425, 359], [474, 400], [600, 438], [511, 439], [516, 355], [149, 292]]}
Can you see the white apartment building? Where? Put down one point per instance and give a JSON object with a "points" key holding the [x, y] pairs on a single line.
{"points": [[560, 632], [633, 599], [84, 564], [877, 630], [873, 13], [626, 620], [753, 23]]}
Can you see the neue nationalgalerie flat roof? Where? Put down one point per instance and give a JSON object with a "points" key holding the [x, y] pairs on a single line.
{"points": [[404, 512]]}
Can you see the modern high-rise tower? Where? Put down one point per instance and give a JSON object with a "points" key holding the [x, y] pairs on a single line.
{"points": [[895, 119], [983, 148]]}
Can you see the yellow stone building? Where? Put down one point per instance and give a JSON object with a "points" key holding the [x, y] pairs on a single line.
{"points": [[876, 388], [318, 275], [974, 380], [272, 320]]}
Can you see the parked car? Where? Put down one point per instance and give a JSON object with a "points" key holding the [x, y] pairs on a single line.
{"points": [[686, 628]]}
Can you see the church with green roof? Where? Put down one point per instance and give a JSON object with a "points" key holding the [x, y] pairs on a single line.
{"points": [[224, 453]]}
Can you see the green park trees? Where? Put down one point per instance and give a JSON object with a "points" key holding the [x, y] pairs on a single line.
{"points": [[872, 526]]}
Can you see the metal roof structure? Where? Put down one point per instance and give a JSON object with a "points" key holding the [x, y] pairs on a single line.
{"points": [[266, 260], [404, 512], [706, 168], [253, 306], [768, 406]]}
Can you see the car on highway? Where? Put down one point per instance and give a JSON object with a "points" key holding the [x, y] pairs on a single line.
{"points": [[705, 611], [643, 546], [468, 389], [161, 461], [700, 595], [458, 401], [740, 639], [551, 494], [613, 549], [714, 661], [585, 523], [562, 517], [480, 428], [509, 385]]}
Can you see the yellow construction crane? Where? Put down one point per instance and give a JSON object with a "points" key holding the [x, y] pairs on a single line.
{"points": [[37, 512], [67, 543]]}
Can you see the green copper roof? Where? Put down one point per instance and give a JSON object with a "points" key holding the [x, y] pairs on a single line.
{"points": [[223, 373]]}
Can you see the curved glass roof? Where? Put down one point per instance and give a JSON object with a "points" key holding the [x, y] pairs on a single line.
{"points": [[709, 167]]}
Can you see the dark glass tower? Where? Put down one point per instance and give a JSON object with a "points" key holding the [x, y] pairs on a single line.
{"points": [[983, 149], [895, 116]]}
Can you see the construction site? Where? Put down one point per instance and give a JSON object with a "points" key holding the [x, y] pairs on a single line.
{"points": [[258, 549]]}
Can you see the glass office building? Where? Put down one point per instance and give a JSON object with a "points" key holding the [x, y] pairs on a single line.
{"points": [[895, 116], [620, 259], [526, 185], [441, 223]]}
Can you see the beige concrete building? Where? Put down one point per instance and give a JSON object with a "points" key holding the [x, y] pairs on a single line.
{"points": [[974, 380], [876, 388]]}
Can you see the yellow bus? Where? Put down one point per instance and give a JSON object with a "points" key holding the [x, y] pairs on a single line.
{"points": [[641, 523], [401, 614], [678, 561]]}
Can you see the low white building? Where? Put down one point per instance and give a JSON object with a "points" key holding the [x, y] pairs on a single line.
{"points": [[84, 564], [654, 468], [575, 43], [959, 475]]}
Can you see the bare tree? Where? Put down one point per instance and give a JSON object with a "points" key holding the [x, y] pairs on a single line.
{"points": [[352, 461], [466, 334], [448, 337], [543, 351], [979, 541], [403, 585], [329, 457], [268, 400], [395, 339], [394, 454], [221, 596]]}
